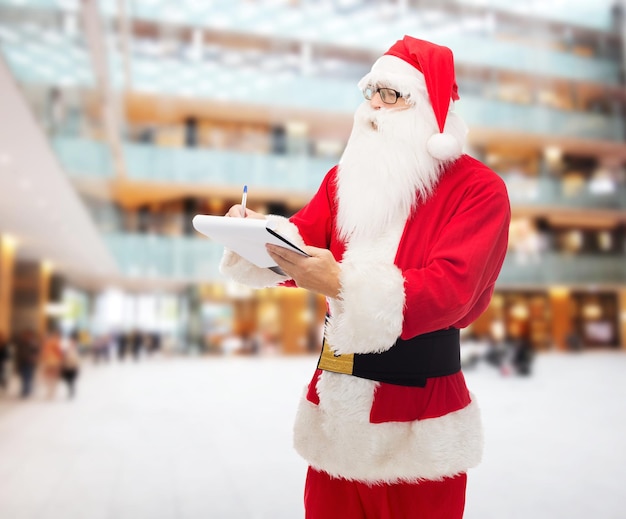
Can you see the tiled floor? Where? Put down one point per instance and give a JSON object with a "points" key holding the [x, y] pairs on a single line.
{"points": [[210, 438]]}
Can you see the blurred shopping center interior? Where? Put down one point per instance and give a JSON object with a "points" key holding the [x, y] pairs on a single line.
{"points": [[122, 119]]}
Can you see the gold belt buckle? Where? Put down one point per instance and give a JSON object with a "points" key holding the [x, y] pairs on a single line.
{"points": [[329, 361]]}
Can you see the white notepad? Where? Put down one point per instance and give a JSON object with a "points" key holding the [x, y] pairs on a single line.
{"points": [[246, 236]]}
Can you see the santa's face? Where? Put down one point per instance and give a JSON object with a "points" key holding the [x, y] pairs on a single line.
{"points": [[377, 103], [385, 168]]}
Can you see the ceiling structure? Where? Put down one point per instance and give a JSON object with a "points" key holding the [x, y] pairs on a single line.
{"points": [[39, 206]]}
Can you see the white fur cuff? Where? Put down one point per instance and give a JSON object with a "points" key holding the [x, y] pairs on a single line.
{"points": [[368, 316], [287, 229], [238, 269]]}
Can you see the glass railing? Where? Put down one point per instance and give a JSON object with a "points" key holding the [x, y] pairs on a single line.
{"points": [[477, 111], [216, 167], [539, 120], [182, 259], [594, 15], [594, 194], [559, 268], [84, 158], [197, 259]]}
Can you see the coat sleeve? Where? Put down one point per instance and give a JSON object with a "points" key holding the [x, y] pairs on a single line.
{"points": [[456, 282]]}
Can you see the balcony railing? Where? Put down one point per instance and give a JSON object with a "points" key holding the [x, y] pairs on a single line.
{"points": [[539, 120], [559, 268], [542, 191], [174, 258], [84, 158], [228, 168], [197, 259]]}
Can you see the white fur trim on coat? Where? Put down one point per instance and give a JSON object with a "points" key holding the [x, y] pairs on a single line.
{"points": [[337, 437], [368, 315], [234, 267]]}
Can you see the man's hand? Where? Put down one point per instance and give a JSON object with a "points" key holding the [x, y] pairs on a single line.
{"points": [[318, 273], [235, 212]]}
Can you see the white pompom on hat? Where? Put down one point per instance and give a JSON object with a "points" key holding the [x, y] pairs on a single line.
{"points": [[415, 67]]}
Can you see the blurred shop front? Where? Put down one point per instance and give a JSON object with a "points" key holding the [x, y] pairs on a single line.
{"points": [[556, 318], [236, 319]]}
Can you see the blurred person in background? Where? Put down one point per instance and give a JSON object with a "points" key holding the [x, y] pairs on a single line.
{"points": [[523, 356], [70, 367], [155, 341], [56, 110], [27, 350], [136, 344], [123, 339], [102, 348], [574, 341], [85, 344], [406, 238], [4, 359], [51, 360]]}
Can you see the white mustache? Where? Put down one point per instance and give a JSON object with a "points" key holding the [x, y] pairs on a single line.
{"points": [[376, 118]]}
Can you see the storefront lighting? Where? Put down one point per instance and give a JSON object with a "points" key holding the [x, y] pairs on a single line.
{"points": [[47, 266], [9, 242], [519, 311], [605, 240], [553, 155], [574, 240], [592, 311], [306, 316], [559, 292], [601, 185]]}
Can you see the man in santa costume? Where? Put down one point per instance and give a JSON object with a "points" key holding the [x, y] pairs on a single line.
{"points": [[406, 238]]}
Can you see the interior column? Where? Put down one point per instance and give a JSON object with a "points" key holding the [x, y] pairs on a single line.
{"points": [[7, 262]]}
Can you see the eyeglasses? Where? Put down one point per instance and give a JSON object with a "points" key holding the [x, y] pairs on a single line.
{"points": [[388, 96]]}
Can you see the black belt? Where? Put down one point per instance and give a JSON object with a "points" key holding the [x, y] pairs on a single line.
{"points": [[406, 363]]}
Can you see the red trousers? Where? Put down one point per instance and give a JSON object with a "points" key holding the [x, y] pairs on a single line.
{"points": [[326, 497]]}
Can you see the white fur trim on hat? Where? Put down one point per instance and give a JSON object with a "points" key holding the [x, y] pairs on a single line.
{"points": [[448, 146], [443, 146], [397, 74]]}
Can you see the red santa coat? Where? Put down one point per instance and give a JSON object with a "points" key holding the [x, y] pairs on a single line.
{"points": [[435, 270], [443, 275]]}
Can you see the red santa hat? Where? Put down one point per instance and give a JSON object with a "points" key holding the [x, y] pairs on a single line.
{"points": [[418, 67]]}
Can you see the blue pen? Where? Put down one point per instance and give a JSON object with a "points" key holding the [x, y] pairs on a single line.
{"points": [[244, 199]]}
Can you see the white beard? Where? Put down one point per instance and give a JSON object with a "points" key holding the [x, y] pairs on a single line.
{"points": [[385, 169]]}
